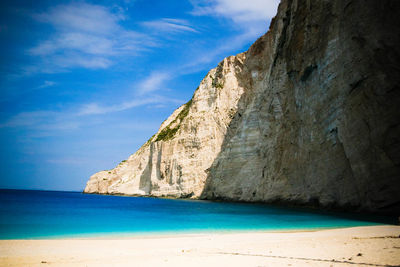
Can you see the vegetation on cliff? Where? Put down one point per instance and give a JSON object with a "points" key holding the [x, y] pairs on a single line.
{"points": [[169, 132]]}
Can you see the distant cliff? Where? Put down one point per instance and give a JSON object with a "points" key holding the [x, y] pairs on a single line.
{"points": [[310, 114]]}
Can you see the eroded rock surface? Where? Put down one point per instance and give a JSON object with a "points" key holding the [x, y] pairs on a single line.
{"points": [[175, 160], [309, 114]]}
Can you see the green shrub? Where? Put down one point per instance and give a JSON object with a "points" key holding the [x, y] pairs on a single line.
{"points": [[149, 141], [168, 133], [219, 85]]}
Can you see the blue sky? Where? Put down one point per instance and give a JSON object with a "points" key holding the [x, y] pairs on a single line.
{"points": [[85, 83]]}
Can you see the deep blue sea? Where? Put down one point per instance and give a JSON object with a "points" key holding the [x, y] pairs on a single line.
{"points": [[28, 214]]}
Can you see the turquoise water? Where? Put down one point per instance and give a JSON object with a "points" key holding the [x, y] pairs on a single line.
{"points": [[48, 214]]}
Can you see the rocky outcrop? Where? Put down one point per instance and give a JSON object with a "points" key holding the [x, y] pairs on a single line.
{"points": [[309, 114], [174, 162]]}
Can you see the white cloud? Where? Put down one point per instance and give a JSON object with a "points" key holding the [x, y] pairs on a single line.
{"points": [[86, 36], [27, 119], [248, 18], [251, 16], [79, 60], [203, 58], [42, 122], [75, 41], [82, 17], [238, 10], [48, 122], [170, 25], [154, 82], [47, 84], [95, 108]]}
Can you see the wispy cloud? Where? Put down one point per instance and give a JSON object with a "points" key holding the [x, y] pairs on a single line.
{"points": [[203, 58], [170, 25], [47, 84], [238, 10], [82, 17], [47, 121], [27, 119], [250, 16], [143, 95], [154, 82], [42, 122], [96, 108], [249, 19], [87, 36], [92, 36]]}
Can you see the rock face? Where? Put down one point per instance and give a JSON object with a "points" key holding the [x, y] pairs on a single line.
{"points": [[309, 114], [174, 162]]}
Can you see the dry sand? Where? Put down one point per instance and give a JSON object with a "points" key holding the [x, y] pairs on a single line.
{"points": [[358, 246]]}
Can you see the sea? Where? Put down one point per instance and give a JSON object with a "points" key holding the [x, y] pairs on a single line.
{"points": [[30, 214]]}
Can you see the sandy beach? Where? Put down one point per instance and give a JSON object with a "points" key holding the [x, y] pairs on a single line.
{"points": [[358, 246]]}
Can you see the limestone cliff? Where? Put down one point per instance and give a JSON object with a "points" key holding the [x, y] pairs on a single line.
{"points": [[174, 162], [309, 114]]}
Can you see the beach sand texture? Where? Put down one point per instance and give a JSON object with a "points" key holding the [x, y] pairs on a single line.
{"points": [[358, 246]]}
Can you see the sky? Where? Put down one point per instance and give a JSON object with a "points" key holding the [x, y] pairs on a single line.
{"points": [[83, 84]]}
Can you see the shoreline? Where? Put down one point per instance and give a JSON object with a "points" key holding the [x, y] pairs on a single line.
{"points": [[164, 234], [365, 245]]}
